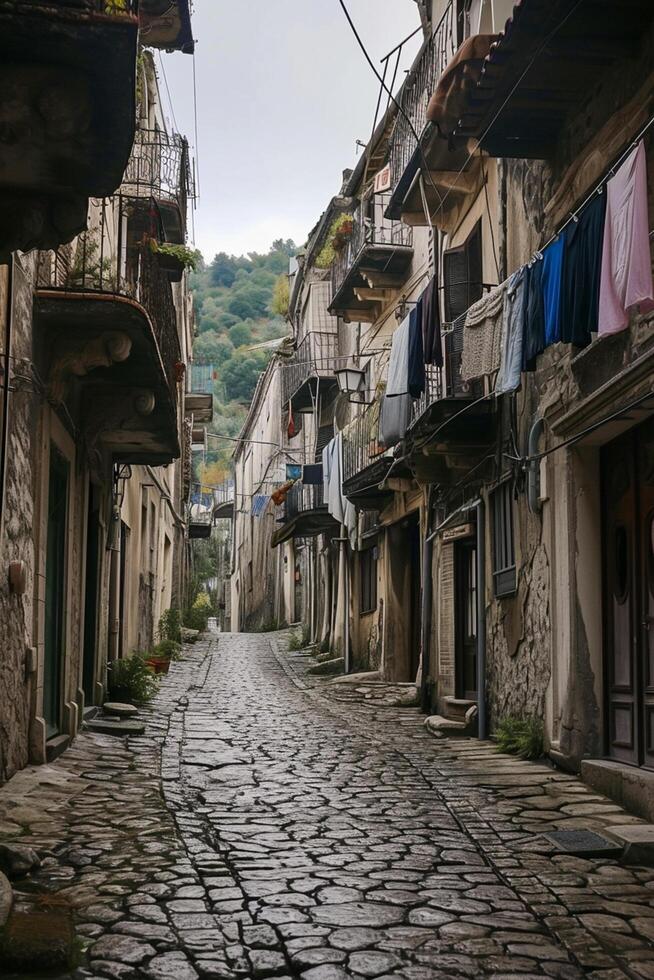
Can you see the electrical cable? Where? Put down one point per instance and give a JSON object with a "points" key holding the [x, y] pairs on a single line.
{"points": [[195, 121], [170, 101]]}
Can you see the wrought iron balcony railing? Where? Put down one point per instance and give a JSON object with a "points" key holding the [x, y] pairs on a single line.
{"points": [[446, 382], [302, 498], [110, 8], [315, 357], [99, 261], [452, 29], [159, 168], [369, 228], [361, 442]]}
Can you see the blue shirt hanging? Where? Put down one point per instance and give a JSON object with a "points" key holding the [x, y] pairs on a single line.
{"points": [[551, 284]]}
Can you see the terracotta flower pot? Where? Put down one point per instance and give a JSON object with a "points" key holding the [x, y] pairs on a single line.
{"points": [[160, 665]]}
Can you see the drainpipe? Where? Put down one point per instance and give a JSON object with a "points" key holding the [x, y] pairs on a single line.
{"points": [[482, 718], [348, 665]]}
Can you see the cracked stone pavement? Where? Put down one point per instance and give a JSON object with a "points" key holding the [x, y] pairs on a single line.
{"points": [[272, 824]]}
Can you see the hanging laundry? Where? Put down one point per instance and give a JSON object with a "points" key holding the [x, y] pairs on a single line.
{"points": [[335, 500], [582, 268], [280, 494], [398, 365], [416, 369], [533, 342], [259, 504], [482, 335], [431, 325], [394, 418], [290, 428], [552, 263], [508, 376], [626, 282], [312, 474], [293, 471]]}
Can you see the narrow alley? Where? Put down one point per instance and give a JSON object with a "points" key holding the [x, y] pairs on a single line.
{"points": [[269, 823]]}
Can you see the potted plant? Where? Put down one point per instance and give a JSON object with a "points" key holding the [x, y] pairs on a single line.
{"points": [[174, 259]]}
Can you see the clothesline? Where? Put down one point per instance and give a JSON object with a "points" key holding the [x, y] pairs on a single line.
{"points": [[599, 187]]}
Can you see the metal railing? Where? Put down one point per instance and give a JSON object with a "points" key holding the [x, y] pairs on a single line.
{"points": [[315, 357], [302, 498], [110, 8], [452, 29], [99, 261], [446, 382], [223, 494], [160, 168], [361, 441], [369, 227]]}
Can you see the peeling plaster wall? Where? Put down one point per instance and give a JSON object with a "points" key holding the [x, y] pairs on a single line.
{"points": [[16, 544]]}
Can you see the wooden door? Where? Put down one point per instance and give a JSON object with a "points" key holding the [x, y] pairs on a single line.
{"points": [[465, 611], [91, 601], [415, 595], [645, 472], [55, 590]]}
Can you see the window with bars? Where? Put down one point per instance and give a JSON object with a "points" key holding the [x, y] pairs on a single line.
{"points": [[368, 581], [504, 570], [462, 274]]}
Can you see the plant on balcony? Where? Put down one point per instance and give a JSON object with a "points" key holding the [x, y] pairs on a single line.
{"points": [[173, 259], [339, 234], [88, 270]]}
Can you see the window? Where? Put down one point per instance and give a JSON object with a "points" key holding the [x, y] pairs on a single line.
{"points": [[504, 576], [368, 581], [462, 273]]}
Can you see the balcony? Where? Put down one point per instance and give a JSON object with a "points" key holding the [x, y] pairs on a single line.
{"points": [[199, 405], [68, 74], [166, 24], [413, 138], [305, 515], [310, 371], [452, 423], [223, 501], [159, 173], [525, 94], [366, 463], [107, 341], [374, 263]]}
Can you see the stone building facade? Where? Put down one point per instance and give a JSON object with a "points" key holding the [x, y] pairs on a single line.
{"points": [[95, 337]]}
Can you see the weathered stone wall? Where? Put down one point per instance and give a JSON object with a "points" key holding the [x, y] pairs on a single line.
{"points": [[16, 544]]}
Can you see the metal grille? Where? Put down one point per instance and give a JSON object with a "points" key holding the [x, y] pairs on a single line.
{"points": [[160, 168], [447, 382], [414, 99], [316, 357], [110, 8], [369, 227], [361, 441], [302, 498]]}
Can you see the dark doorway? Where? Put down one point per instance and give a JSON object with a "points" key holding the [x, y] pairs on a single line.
{"points": [[414, 596], [628, 537], [465, 618], [55, 589], [122, 595], [91, 599]]}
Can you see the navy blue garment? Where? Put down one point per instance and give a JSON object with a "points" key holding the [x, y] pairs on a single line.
{"points": [[312, 474], [431, 325], [552, 263], [416, 380], [534, 317], [582, 273]]}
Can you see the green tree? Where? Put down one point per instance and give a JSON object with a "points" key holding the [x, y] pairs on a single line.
{"points": [[281, 296], [240, 334], [240, 374]]}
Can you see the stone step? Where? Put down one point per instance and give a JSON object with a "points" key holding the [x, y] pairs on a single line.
{"points": [[119, 709], [457, 708], [441, 727], [113, 726]]}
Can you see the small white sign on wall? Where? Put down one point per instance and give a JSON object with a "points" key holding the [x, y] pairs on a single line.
{"points": [[383, 180]]}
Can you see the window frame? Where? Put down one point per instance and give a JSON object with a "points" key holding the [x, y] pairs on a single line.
{"points": [[368, 591], [505, 578]]}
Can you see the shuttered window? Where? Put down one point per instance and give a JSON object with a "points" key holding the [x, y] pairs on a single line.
{"points": [[462, 272], [368, 584], [504, 572]]}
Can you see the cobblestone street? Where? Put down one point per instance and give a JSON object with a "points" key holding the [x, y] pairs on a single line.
{"points": [[306, 832]]}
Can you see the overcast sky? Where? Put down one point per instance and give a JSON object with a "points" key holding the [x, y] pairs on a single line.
{"points": [[284, 92]]}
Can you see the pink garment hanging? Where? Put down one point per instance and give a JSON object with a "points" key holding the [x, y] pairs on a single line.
{"points": [[626, 262]]}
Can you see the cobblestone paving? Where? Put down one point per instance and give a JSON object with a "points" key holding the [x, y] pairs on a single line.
{"points": [[272, 824]]}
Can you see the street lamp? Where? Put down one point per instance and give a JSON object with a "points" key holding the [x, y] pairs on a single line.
{"points": [[351, 381]]}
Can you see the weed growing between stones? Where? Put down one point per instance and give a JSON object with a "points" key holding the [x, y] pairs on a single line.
{"points": [[520, 736]]}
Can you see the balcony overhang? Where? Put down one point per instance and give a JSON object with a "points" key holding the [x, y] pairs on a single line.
{"points": [[199, 405], [375, 275], [303, 399], [224, 511], [166, 24], [366, 489], [306, 524], [199, 530], [69, 76], [100, 351], [527, 91], [451, 434]]}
